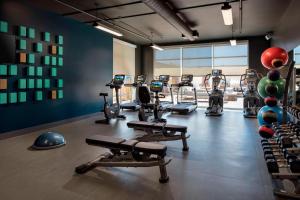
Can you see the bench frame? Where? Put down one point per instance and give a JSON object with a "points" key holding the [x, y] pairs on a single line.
{"points": [[121, 158]]}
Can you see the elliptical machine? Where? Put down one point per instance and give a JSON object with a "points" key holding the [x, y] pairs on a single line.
{"points": [[216, 96], [156, 87], [251, 103], [112, 111]]}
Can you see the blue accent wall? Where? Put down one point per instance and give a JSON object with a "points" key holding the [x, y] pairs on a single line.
{"points": [[88, 66]]}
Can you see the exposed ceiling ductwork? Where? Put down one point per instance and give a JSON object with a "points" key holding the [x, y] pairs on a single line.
{"points": [[162, 9]]}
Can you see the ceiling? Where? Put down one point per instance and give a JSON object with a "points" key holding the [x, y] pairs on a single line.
{"points": [[259, 17]]}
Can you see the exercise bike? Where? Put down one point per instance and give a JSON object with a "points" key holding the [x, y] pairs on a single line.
{"points": [[145, 113], [112, 111], [216, 96], [251, 103]]}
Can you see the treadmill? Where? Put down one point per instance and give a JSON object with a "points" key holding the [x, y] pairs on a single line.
{"points": [[183, 107], [140, 80], [166, 105]]}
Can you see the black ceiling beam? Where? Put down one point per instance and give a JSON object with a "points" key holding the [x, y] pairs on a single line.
{"points": [[102, 8], [179, 9]]}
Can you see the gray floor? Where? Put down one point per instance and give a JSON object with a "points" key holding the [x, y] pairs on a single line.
{"points": [[224, 162]]}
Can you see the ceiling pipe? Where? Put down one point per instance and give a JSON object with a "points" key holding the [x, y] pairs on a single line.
{"points": [[241, 16], [104, 21], [170, 16]]}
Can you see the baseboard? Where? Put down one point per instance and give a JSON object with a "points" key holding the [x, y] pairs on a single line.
{"points": [[24, 131]]}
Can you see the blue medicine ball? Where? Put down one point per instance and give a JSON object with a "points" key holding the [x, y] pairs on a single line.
{"points": [[267, 109], [49, 140]]}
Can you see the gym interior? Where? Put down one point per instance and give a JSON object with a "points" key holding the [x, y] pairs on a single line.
{"points": [[150, 99]]}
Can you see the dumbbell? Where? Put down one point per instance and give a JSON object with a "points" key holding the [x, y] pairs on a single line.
{"points": [[274, 165]]}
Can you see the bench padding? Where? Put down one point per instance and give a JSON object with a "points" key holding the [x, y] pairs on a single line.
{"points": [[156, 126], [152, 148], [128, 145]]}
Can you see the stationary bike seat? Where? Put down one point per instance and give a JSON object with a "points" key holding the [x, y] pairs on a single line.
{"points": [[103, 94]]}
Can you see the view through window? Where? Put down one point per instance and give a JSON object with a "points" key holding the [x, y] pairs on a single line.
{"points": [[124, 63], [199, 60]]}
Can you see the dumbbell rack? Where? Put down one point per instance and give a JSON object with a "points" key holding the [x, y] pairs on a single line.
{"points": [[282, 153], [294, 113]]}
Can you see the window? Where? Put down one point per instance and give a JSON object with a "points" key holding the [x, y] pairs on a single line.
{"points": [[297, 56], [232, 60], [199, 60], [124, 63], [167, 62]]}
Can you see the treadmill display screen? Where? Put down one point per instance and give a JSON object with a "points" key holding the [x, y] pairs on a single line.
{"points": [[141, 78], [216, 72], [156, 86], [187, 78], [164, 78]]}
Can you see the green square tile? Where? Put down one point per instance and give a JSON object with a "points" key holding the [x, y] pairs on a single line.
{"points": [[46, 83], [22, 31], [60, 94], [3, 69], [31, 33], [53, 71], [3, 26], [39, 71], [13, 97], [22, 83], [46, 60], [53, 60], [30, 83], [22, 44], [39, 83], [30, 71], [59, 39], [60, 83], [39, 95], [3, 98], [22, 97], [31, 58], [13, 70], [60, 61], [46, 36], [60, 51], [38, 47]]}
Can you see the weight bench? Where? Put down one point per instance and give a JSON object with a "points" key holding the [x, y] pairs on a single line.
{"points": [[161, 132], [127, 153]]}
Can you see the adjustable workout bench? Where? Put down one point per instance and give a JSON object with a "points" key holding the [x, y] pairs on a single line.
{"points": [[127, 153], [161, 132]]}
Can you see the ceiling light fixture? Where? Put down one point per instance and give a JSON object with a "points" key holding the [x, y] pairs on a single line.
{"points": [[232, 42], [154, 46], [269, 35], [227, 14], [106, 29]]}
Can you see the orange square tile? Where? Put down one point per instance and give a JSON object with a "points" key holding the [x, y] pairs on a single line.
{"points": [[3, 84], [53, 49], [53, 94], [22, 57]]}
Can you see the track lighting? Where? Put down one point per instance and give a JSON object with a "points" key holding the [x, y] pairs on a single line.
{"points": [[232, 42], [227, 14], [154, 46], [106, 29]]}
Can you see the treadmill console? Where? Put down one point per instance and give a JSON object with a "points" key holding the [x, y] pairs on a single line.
{"points": [[187, 78], [216, 72], [251, 73], [156, 86], [140, 78], [164, 78], [119, 79]]}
